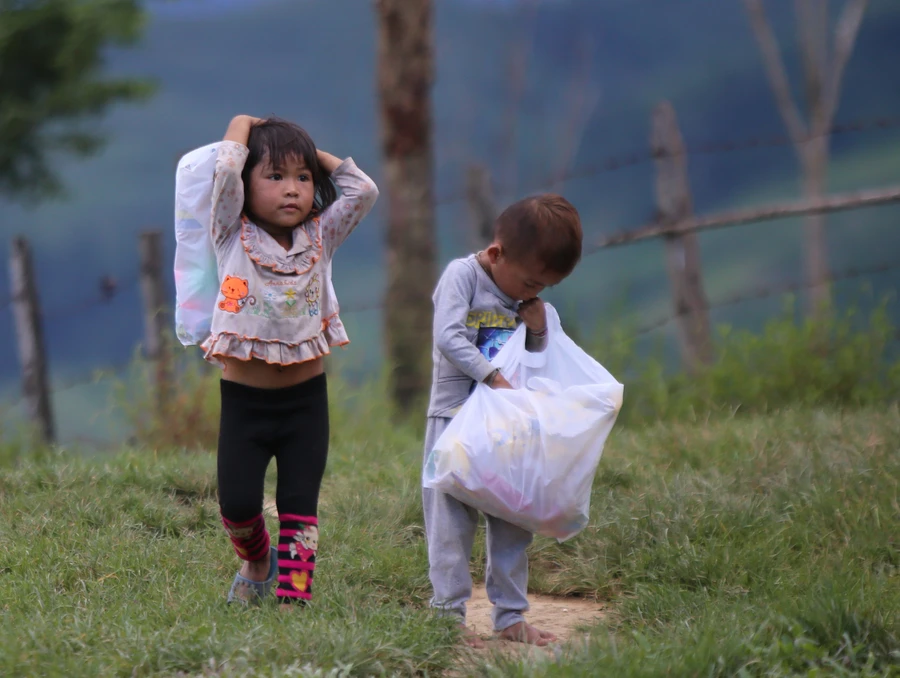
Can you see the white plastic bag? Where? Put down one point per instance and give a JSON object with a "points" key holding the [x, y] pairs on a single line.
{"points": [[196, 275], [529, 455]]}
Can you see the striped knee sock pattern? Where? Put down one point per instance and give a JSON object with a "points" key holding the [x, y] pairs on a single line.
{"points": [[249, 538], [298, 542]]}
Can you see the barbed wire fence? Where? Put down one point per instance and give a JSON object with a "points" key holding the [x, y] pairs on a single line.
{"points": [[765, 292], [623, 161], [755, 294], [109, 287], [640, 330], [118, 369]]}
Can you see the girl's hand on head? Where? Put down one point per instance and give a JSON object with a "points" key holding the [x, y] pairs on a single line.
{"points": [[246, 119], [239, 128], [533, 314], [327, 162]]}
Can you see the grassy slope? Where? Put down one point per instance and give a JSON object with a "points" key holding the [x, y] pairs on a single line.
{"points": [[637, 60], [766, 543]]}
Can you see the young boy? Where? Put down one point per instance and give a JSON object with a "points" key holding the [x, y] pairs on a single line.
{"points": [[478, 303]]}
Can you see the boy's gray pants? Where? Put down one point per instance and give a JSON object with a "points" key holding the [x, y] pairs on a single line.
{"points": [[450, 529]]}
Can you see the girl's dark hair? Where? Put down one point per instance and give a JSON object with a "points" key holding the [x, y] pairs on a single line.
{"points": [[276, 140]]}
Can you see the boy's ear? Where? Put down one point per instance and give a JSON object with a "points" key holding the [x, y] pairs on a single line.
{"points": [[494, 252]]}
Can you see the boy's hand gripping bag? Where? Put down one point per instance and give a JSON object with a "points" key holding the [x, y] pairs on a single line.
{"points": [[196, 275], [529, 455]]}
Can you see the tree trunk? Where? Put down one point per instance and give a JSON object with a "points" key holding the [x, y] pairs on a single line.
{"points": [[814, 158], [405, 66], [824, 60]]}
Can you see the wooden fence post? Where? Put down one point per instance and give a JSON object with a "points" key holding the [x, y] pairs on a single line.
{"points": [[482, 208], [30, 339], [673, 197], [153, 292]]}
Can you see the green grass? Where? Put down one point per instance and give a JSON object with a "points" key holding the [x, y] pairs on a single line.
{"points": [[758, 545], [745, 522], [762, 546]]}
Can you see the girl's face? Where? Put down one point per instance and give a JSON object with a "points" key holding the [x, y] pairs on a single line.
{"points": [[280, 197]]}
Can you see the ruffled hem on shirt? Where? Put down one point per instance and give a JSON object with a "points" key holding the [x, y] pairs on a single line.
{"points": [[228, 345]]}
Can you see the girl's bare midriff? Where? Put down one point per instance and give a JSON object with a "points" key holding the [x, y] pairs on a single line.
{"points": [[260, 374]]}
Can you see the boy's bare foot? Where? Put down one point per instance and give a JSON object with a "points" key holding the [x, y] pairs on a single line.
{"points": [[471, 638], [523, 632]]}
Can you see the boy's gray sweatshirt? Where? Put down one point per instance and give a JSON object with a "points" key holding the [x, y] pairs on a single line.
{"points": [[473, 319]]}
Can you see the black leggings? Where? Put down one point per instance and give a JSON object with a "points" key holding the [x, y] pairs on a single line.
{"points": [[290, 424]]}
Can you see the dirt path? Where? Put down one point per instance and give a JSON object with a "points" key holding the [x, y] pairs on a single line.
{"points": [[559, 615]]}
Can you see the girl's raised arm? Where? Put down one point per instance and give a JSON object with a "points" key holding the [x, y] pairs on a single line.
{"points": [[228, 188], [358, 195]]}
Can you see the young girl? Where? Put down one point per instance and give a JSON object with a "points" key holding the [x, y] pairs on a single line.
{"points": [[276, 222]]}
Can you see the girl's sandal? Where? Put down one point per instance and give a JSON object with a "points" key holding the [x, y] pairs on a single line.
{"points": [[245, 591]]}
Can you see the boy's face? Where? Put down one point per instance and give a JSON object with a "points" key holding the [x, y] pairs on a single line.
{"points": [[520, 280]]}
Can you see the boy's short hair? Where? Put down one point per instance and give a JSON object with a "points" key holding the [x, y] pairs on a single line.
{"points": [[542, 228]]}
